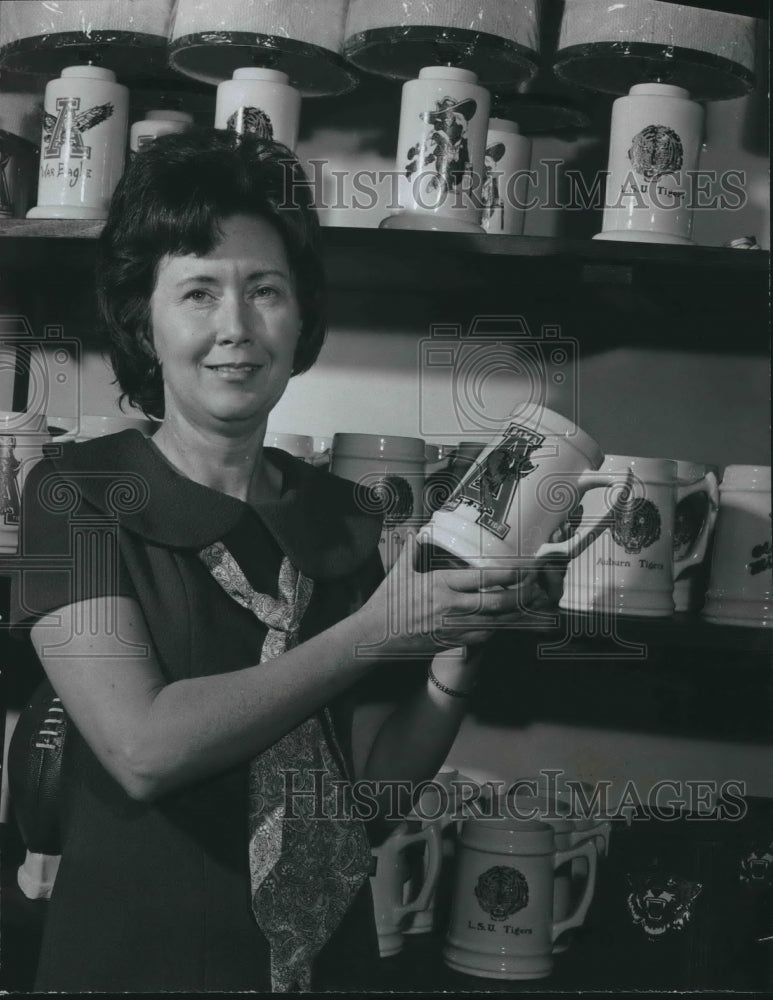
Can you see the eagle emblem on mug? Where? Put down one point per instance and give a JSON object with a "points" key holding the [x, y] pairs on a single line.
{"points": [[636, 525], [501, 891]]}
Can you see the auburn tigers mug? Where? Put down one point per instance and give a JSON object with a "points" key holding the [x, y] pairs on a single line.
{"points": [[502, 921], [630, 570]]}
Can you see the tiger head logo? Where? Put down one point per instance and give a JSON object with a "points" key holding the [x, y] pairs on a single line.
{"points": [[636, 524], [756, 869], [656, 151], [394, 497], [659, 902], [249, 119], [502, 890]]}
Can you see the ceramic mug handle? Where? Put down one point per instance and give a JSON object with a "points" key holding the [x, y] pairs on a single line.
{"points": [[583, 537], [708, 485], [598, 834], [431, 835], [576, 917]]}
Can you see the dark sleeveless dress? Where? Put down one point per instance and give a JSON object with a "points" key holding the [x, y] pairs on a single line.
{"points": [[155, 897]]}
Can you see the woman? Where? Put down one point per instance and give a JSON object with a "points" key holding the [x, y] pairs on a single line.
{"points": [[232, 598]]}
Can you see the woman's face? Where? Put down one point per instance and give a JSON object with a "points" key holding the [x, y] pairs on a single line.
{"points": [[225, 327]]}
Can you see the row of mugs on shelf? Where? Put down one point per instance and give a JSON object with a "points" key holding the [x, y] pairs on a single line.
{"points": [[514, 874], [457, 167], [641, 536], [440, 833], [261, 100], [634, 531]]}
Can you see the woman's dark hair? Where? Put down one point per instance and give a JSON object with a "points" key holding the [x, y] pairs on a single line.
{"points": [[170, 200]]}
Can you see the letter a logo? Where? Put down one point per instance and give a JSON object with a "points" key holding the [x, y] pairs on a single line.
{"points": [[65, 129]]}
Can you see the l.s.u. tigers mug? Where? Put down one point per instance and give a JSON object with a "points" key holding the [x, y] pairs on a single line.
{"points": [[502, 923]]}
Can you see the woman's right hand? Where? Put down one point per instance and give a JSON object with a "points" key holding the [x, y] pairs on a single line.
{"points": [[416, 613]]}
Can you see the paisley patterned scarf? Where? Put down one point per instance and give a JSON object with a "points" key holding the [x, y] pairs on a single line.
{"points": [[305, 867]]}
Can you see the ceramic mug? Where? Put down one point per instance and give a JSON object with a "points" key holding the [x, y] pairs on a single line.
{"points": [[508, 154], [22, 437], [655, 142], [740, 584], [440, 151], [502, 923], [390, 906], [323, 451], [519, 492], [261, 101], [390, 473], [630, 570], [85, 126], [436, 806], [300, 445], [691, 514], [554, 807]]}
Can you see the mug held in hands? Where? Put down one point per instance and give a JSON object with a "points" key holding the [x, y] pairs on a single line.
{"points": [[521, 490]]}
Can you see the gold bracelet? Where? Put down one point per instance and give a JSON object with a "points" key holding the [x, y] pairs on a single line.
{"points": [[452, 692]]}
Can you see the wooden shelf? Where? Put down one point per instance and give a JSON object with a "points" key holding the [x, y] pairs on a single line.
{"points": [[584, 634], [418, 245]]}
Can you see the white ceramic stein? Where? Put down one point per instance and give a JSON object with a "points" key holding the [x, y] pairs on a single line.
{"points": [[155, 124], [691, 514], [508, 154], [85, 124], [300, 445], [554, 807], [654, 146], [437, 806], [520, 489], [390, 906], [261, 101], [440, 151], [741, 582], [22, 437], [390, 473], [630, 569], [502, 922]]}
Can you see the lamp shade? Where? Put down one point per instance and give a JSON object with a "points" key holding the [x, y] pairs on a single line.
{"points": [[44, 36], [495, 39], [209, 40], [611, 47], [545, 104]]}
